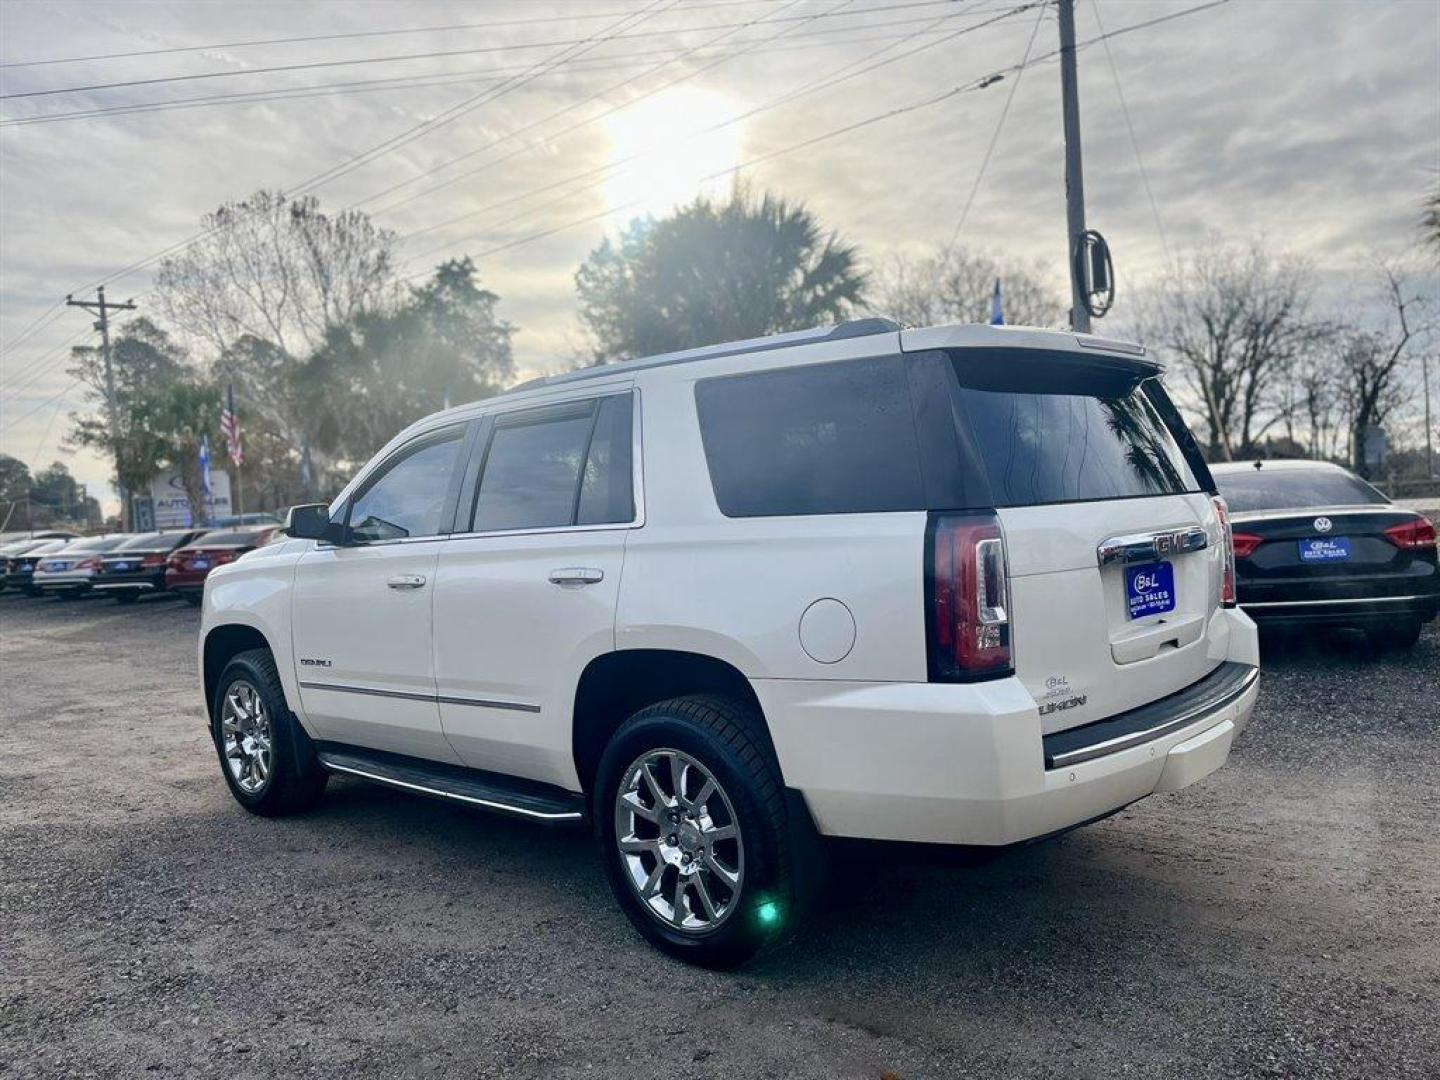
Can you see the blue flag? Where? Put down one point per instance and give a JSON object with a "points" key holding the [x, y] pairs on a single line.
{"points": [[205, 466], [997, 317]]}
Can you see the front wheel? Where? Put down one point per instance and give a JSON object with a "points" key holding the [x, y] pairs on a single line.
{"points": [[692, 822], [268, 761]]}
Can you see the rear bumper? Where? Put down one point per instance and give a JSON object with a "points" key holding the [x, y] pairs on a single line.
{"points": [[144, 582], [185, 580], [966, 764], [61, 582], [1346, 610]]}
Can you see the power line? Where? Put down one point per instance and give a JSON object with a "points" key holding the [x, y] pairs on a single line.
{"points": [[395, 59], [215, 45], [354, 162], [995, 135], [402, 82], [48, 316], [39, 369], [847, 71], [573, 127], [1134, 142], [977, 84], [44, 404]]}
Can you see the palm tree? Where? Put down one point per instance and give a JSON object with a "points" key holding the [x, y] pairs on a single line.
{"points": [[715, 271]]}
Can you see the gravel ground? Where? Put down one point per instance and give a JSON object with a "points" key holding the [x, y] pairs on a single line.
{"points": [[1279, 919]]}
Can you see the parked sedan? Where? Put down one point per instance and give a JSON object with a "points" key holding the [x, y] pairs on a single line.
{"points": [[20, 562], [188, 566], [1315, 544], [68, 572], [138, 565]]}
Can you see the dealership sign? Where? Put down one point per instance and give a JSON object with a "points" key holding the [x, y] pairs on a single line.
{"points": [[171, 505]]}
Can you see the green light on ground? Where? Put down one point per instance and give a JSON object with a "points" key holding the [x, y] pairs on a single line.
{"points": [[768, 913]]}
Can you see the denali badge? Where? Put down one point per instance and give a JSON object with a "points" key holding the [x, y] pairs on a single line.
{"points": [[1322, 524], [307, 661]]}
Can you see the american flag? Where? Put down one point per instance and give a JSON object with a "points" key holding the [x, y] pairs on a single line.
{"points": [[230, 428]]}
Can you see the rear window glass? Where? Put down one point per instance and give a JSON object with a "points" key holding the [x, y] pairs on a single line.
{"points": [[144, 540], [1050, 435], [227, 539], [833, 438], [1294, 489]]}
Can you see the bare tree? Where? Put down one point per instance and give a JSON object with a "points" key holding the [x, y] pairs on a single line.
{"points": [[956, 285], [1232, 323], [276, 270], [1373, 361]]}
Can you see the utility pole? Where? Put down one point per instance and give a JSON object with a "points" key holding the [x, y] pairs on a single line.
{"points": [[1074, 175], [101, 307]]}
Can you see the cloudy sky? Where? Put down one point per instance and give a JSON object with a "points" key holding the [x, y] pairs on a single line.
{"points": [[1312, 123]]}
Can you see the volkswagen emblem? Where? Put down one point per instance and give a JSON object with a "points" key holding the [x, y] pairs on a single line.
{"points": [[1322, 524]]}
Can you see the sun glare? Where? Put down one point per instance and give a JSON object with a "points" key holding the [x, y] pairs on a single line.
{"points": [[675, 151]]}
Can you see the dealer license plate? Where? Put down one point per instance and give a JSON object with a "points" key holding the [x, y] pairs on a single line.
{"points": [[1150, 589], [1325, 549]]}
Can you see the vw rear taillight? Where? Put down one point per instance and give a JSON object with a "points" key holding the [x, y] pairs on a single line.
{"points": [[968, 601], [1412, 535], [1227, 545], [1245, 544], [89, 564]]}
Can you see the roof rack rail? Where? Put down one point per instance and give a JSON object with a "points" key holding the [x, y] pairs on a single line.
{"points": [[850, 329]]}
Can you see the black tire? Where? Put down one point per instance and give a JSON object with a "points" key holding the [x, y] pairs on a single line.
{"points": [[296, 779], [1396, 637], [127, 596], [68, 594], [192, 597], [730, 741], [30, 590]]}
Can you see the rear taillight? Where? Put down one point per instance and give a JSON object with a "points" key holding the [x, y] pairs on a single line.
{"points": [[1245, 544], [1412, 535], [153, 560], [968, 599], [89, 564], [1227, 545], [222, 557]]}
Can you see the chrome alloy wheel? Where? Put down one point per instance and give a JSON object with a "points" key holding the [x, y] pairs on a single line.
{"points": [[246, 735], [679, 840]]}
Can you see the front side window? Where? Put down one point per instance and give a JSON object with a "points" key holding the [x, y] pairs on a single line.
{"points": [[558, 466], [409, 497], [835, 438]]}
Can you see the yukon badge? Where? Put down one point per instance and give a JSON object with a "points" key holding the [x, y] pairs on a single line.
{"points": [[1059, 696]]}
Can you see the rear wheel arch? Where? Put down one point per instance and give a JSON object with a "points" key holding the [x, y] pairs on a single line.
{"points": [[616, 685]]}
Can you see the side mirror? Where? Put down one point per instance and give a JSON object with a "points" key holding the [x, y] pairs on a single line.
{"points": [[311, 521]]}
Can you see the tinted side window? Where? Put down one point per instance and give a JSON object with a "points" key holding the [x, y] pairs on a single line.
{"points": [[606, 487], [408, 498], [559, 466], [833, 438]]}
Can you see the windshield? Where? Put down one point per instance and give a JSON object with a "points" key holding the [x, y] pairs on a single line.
{"points": [[1294, 489]]}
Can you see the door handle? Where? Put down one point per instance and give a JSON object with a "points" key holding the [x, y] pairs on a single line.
{"points": [[406, 581], [577, 575]]}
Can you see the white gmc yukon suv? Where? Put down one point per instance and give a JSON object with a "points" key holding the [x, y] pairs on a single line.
{"points": [[961, 585]]}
